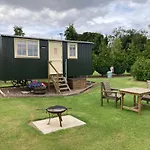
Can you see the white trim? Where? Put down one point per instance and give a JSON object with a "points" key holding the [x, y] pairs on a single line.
{"points": [[26, 41], [76, 50]]}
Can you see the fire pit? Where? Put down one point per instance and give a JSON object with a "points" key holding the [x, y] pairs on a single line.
{"points": [[56, 110]]}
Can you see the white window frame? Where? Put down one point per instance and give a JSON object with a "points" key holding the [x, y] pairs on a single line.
{"points": [[26, 41], [76, 51]]}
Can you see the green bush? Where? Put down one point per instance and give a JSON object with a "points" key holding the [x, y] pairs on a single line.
{"points": [[102, 70], [94, 61], [118, 56], [103, 61], [128, 68], [119, 63], [93, 69], [130, 60], [141, 69], [119, 69]]}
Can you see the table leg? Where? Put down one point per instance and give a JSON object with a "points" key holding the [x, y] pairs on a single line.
{"points": [[49, 119], [122, 100], [139, 104], [60, 118], [134, 100]]}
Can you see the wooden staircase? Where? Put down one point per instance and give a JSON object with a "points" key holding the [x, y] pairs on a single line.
{"points": [[59, 81]]}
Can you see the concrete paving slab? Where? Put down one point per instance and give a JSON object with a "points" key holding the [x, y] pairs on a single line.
{"points": [[68, 122]]}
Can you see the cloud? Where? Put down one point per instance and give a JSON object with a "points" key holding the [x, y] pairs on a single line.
{"points": [[46, 19], [57, 5], [62, 5], [49, 18]]}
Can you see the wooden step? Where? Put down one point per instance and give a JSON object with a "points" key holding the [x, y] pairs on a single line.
{"points": [[66, 88], [60, 81], [60, 78], [63, 84]]}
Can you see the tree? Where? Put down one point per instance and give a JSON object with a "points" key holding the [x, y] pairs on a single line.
{"points": [[103, 59], [133, 43], [140, 69], [127, 36], [118, 56], [139, 42], [71, 33], [146, 52], [116, 46], [18, 31]]}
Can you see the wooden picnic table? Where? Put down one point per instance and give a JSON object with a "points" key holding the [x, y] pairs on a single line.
{"points": [[139, 92]]}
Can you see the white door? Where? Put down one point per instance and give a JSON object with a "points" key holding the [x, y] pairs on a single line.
{"points": [[55, 56]]}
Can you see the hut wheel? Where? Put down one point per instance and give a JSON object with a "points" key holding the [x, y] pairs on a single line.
{"points": [[19, 82], [23, 82], [14, 82]]}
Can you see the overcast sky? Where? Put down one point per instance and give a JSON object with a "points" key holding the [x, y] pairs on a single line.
{"points": [[47, 18]]}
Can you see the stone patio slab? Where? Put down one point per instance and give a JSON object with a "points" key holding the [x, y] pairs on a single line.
{"points": [[68, 122]]}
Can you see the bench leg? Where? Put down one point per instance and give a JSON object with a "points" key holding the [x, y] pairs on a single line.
{"points": [[101, 101], [107, 100], [116, 103]]}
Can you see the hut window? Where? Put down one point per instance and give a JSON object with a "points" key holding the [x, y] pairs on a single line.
{"points": [[72, 51], [25, 48], [21, 48], [32, 48]]}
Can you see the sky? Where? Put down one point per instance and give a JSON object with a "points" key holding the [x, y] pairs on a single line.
{"points": [[48, 18]]}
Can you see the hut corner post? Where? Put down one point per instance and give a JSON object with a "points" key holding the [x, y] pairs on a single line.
{"points": [[48, 83], [48, 77]]}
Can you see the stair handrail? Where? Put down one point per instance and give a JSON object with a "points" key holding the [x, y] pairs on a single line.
{"points": [[50, 62]]}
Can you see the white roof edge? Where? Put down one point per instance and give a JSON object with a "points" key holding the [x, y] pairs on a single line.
{"points": [[46, 39]]}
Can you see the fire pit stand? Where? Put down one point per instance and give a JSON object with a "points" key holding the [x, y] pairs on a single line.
{"points": [[56, 110]]}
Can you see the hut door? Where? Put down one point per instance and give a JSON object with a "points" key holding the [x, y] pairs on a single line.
{"points": [[55, 56]]}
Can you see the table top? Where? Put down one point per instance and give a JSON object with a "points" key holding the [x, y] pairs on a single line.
{"points": [[135, 90], [56, 109]]}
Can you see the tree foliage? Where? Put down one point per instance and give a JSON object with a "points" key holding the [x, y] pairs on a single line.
{"points": [[104, 59], [146, 52], [121, 49], [133, 44], [129, 36], [118, 57], [141, 70], [70, 33], [18, 31]]}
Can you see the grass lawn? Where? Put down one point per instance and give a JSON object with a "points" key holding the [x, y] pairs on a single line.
{"points": [[95, 73], [107, 128], [3, 84]]}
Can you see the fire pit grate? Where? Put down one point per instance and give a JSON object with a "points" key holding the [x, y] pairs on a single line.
{"points": [[57, 109]]}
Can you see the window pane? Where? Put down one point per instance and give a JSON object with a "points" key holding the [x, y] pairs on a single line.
{"points": [[21, 48], [19, 52], [32, 48], [35, 52], [72, 50], [30, 52], [23, 52]]}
